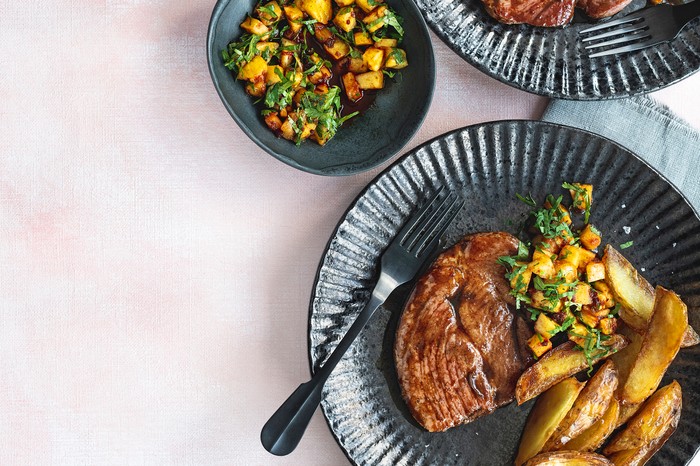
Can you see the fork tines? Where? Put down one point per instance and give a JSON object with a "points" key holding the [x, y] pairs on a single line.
{"points": [[629, 33]]}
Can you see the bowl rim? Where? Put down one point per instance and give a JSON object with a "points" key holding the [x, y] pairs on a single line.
{"points": [[337, 170]]}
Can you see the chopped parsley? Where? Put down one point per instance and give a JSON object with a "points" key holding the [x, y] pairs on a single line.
{"points": [[626, 245]]}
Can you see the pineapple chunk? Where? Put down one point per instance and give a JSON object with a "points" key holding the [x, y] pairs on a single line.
{"points": [[521, 278], [272, 120], [307, 130], [370, 80], [396, 59], [582, 294], [578, 333], [565, 270], [362, 38], [272, 76], [356, 65], [256, 88], [287, 130], [539, 301], [565, 216], [590, 237], [582, 198], [595, 270], [605, 294], [373, 58], [338, 49], [320, 10], [345, 19], [352, 88], [270, 13], [254, 26], [374, 20], [264, 46], [542, 266], [368, 5], [342, 3], [608, 325], [253, 69], [545, 326], [321, 135], [539, 345], [577, 256], [589, 318], [294, 16], [386, 43]]}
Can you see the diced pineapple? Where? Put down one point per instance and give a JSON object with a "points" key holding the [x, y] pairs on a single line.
{"points": [[345, 19], [264, 46], [270, 13], [338, 49], [542, 266], [386, 43], [256, 88], [576, 255], [608, 325], [373, 58], [375, 20], [396, 59], [342, 3], [590, 237], [539, 301], [352, 88], [521, 277], [545, 326], [321, 135], [582, 294], [323, 74], [595, 270], [582, 198], [589, 318], [286, 59], [565, 270], [356, 65], [370, 80], [272, 120], [254, 26], [578, 333], [320, 10], [272, 75], [363, 38], [307, 130], [287, 128], [253, 69], [294, 16], [565, 216], [605, 294], [321, 89], [368, 5], [539, 345]]}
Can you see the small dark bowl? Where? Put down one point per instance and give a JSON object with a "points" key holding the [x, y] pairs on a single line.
{"points": [[363, 142]]}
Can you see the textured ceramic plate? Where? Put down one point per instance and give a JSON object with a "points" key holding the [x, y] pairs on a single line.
{"points": [[487, 165], [551, 61], [364, 142]]}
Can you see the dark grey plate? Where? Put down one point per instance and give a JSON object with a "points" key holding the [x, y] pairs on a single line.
{"points": [[551, 61], [487, 164], [364, 142]]}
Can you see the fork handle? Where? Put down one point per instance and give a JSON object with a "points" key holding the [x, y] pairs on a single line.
{"points": [[284, 430], [687, 11]]}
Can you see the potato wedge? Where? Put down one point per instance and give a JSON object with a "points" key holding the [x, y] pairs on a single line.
{"points": [[635, 294], [559, 363], [640, 456], [568, 458], [624, 359], [590, 406], [549, 410], [593, 437], [661, 411], [627, 410], [661, 343]]}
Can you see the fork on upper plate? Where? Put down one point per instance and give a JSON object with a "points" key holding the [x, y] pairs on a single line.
{"points": [[638, 30]]}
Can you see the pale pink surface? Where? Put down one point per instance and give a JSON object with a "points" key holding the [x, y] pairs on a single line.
{"points": [[155, 264]]}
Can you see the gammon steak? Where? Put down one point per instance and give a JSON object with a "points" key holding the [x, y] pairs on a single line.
{"points": [[460, 347]]}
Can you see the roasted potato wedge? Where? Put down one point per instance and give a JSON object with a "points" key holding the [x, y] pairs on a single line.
{"points": [[593, 437], [651, 426], [590, 406], [549, 410], [635, 294], [661, 343], [559, 363], [640, 456], [568, 458], [627, 410]]}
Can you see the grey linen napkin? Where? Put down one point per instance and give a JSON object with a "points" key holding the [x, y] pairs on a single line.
{"points": [[645, 127]]}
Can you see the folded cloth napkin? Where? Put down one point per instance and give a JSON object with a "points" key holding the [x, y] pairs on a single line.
{"points": [[645, 127]]}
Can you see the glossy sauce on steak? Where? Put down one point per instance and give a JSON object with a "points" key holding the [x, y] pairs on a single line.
{"points": [[460, 348], [550, 13]]}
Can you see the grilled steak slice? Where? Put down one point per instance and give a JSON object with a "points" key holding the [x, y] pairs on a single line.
{"points": [[546, 13], [459, 348], [602, 8]]}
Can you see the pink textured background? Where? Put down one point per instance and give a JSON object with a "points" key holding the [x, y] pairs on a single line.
{"points": [[155, 265]]}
